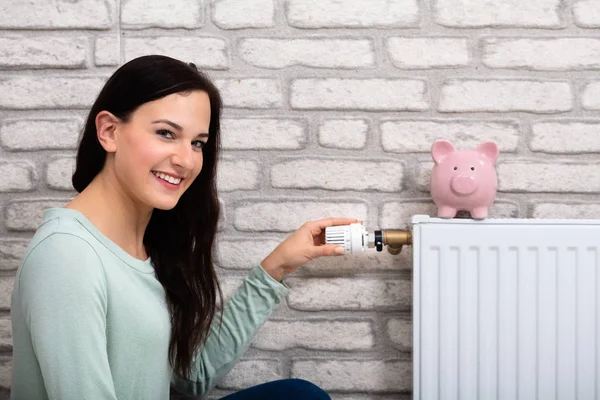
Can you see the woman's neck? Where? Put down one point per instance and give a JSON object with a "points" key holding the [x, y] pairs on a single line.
{"points": [[115, 214]]}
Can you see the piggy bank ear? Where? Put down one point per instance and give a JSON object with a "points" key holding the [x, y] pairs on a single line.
{"points": [[489, 149], [440, 149]]}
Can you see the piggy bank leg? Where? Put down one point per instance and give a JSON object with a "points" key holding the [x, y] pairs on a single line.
{"points": [[479, 212], [446, 212]]}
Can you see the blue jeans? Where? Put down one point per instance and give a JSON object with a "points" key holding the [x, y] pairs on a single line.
{"points": [[285, 389]]}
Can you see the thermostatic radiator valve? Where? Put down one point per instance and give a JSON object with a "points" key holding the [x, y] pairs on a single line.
{"points": [[356, 239]]}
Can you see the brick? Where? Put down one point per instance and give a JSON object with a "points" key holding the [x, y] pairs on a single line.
{"points": [[5, 372], [48, 92], [353, 14], [60, 172], [17, 176], [344, 133], [356, 375], [331, 335], [413, 53], [6, 287], [11, 253], [247, 373], [243, 253], [586, 13], [250, 93], [138, 14], [398, 214], [566, 137], [313, 52], [222, 216], [237, 175], [399, 331], [359, 94], [57, 14], [107, 51], [505, 95], [206, 53], [370, 260], [5, 334], [333, 174], [239, 14], [43, 52], [498, 13], [286, 216], [349, 294], [542, 54], [27, 215], [522, 176], [566, 211], [263, 134], [590, 97], [417, 136], [24, 134]]}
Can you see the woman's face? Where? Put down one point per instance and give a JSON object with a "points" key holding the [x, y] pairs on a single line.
{"points": [[159, 150]]}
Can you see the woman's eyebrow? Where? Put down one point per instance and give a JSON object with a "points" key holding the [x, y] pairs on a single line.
{"points": [[176, 126], [166, 121]]}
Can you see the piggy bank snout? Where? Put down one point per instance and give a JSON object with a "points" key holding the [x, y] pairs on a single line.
{"points": [[464, 185]]}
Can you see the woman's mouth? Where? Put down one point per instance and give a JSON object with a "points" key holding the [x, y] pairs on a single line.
{"points": [[167, 180]]}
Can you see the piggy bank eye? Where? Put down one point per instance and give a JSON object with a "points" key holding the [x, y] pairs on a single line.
{"points": [[455, 168], [472, 168]]}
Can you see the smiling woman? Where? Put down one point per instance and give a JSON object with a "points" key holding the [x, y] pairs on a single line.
{"points": [[116, 295]]}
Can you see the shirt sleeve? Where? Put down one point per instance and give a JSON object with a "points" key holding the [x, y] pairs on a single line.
{"points": [[230, 336], [63, 296]]}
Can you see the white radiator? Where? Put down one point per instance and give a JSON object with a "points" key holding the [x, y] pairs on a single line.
{"points": [[506, 309]]}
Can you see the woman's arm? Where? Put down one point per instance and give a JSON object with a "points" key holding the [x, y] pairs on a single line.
{"points": [[230, 336], [61, 292], [253, 303]]}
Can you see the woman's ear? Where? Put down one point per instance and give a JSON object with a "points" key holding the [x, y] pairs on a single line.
{"points": [[106, 129]]}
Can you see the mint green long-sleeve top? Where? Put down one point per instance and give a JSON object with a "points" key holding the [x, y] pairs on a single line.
{"points": [[90, 321]]}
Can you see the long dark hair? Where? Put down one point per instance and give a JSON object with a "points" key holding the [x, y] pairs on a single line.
{"points": [[179, 241]]}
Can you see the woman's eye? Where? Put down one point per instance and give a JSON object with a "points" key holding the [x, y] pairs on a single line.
{"points": [[199, 144], [164, 133]]}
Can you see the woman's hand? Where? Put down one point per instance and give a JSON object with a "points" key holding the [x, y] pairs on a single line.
{"points": [[306, 244]]}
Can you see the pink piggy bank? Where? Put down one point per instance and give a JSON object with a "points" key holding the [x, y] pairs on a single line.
{"points": [[463, 180]]}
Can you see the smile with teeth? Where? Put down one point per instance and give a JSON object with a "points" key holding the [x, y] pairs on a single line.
{"points": [[168, 178]]}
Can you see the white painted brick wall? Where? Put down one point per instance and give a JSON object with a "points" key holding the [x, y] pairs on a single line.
{"points": [[542, 54], [204, 52], [505, 96], [344, 133], [43, 52], [350, 94], [24, 134], [314, 52], [415, 53], [17, 176], [357, 375], [263, 133], [586, 13], [336, 335], [138, 14], [498, 13], [238, 14], [57, 14], [50, 92], [338, 175], [352, 14], [331, 108]]}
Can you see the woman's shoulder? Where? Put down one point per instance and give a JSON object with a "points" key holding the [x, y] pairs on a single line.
{"points": [[61, 244], [61, 235]]}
